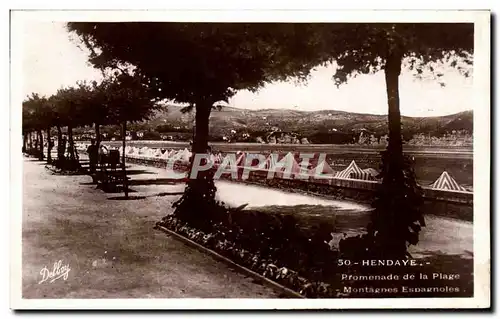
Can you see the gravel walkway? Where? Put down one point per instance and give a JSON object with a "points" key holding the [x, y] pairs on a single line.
{"points": [[110, 246]]}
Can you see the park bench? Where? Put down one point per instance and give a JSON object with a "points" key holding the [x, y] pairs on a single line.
{"points": [[109, 174], [85, 164], [109, 180]]}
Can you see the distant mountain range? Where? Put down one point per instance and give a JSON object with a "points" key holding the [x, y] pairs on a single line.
{"points": [[305, 123]]}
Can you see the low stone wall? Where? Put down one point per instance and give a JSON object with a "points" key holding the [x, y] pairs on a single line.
{"points": [[449, 196], [438, 202], [156, 162]]}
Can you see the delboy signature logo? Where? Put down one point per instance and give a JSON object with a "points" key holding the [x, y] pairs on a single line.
{"points": [[59, 271]]}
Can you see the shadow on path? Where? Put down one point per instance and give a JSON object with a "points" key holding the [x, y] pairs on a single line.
{"points": [[146, 196], [157, 181], [139, 171], [115, 190], [168, 194], [127, 198]]}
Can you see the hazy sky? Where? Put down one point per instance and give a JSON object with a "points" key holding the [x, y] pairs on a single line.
{"points": [[51, 60]]}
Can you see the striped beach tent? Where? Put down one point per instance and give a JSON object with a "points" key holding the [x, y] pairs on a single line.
{"points": [[143, 150], [174, 154], [270, 162], [216, 158], [322, 168], [322, 173], [290, 165], [373, 172], [150, 153], [185, 155], [290, 158], [446, 182], [219, 158], [213, 159], [353, 172], [240, 159], [315, 161], [165, 155], [157, 152], [246, 159]]}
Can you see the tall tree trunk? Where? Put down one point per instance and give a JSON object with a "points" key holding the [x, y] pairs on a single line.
{"points": [[37, 139], [71, 145], [125, 181], [40, 136], [30, 140], [392, 72], [60, 144], [199, 195], [201, 129], [97, 135], [49, 146], [398, 198], [25, 142], [394, 157]]}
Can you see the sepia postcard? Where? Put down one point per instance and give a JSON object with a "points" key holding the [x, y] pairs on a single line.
{"points": [[250, 159]]}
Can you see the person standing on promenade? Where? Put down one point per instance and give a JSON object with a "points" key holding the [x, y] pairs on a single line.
{"points": [[93, 155]]}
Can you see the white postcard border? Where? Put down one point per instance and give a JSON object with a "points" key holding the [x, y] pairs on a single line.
{"points": [[481, 157]]}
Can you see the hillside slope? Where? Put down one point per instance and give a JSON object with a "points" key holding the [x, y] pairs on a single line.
{"points": [[257, 122]]}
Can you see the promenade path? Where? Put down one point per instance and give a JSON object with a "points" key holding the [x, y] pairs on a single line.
{"points": [[111, 247]]}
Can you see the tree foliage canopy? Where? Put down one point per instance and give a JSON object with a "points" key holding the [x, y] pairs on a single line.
{"points": [[186, 62], [124, 97], [37, 113], [117, 98], [363, 48]]}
